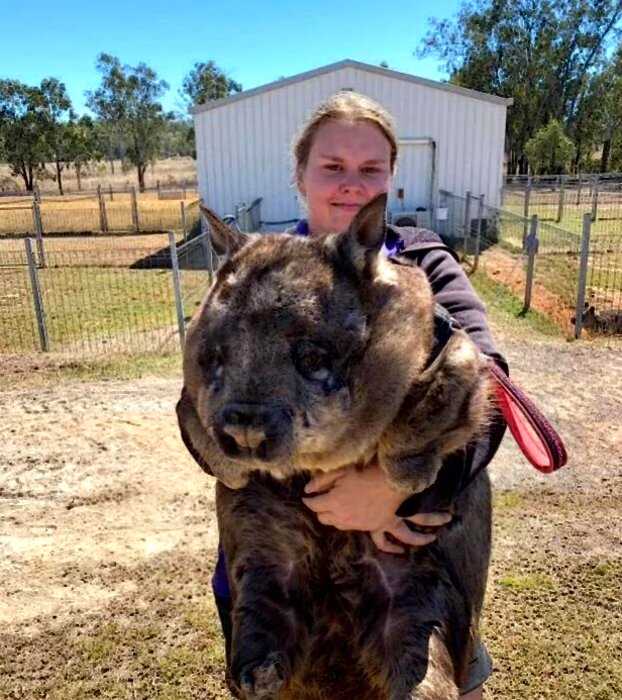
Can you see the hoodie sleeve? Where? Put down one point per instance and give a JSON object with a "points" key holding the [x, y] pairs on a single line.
{"points": [[453, 291]]}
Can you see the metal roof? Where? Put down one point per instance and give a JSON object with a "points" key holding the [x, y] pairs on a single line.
{"points": [[349, 63]]}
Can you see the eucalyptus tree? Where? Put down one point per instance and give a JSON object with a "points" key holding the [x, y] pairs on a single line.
{"points": [[58, 110], [549, 150], [24, 130], [127, 100], [542, 53], [207, 82]]}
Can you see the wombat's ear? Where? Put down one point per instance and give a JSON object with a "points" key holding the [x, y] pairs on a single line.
{"points": [[225, 239], [365, 236], [192, 432]]}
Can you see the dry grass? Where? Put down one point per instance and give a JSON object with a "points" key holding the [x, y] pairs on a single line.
{"points": [[168, 171], [96, 309], [78, 212], [81, 214]]}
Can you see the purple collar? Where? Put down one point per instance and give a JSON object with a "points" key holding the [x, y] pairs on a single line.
{"points": [[302, 228], [393, 243]]}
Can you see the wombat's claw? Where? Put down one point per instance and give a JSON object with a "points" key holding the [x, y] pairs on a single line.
{"points": [[264, 681]]}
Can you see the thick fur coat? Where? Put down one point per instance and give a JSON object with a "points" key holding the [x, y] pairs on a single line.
{"points": [[308, 355]]}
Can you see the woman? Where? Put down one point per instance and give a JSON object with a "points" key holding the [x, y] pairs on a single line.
{"points": [[346, 155]]}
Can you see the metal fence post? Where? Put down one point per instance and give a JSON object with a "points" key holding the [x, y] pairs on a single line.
{"points": [[579, 190], [135, 221], [595, 199], [560, 204], [184, 226], [466, 223], [103, 220], [585, 252], [179, 305], [526, 210], [531, 244], [38, 224], [478, 236], [36, 296], [206, 241]]}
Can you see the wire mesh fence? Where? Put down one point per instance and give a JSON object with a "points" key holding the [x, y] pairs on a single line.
{"points": [[17, 218], [133, 294], [101, 299], [564, 199], [603, 311], [540, 262], [102, 211]]}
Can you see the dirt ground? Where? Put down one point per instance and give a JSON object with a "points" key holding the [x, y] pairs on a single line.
{"points": [[107, 534]]}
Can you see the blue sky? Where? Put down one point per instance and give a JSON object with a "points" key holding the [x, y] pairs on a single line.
{"points": [[254, 42]]}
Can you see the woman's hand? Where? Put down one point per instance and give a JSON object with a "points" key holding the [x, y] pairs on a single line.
{"points": [[363, 499]]}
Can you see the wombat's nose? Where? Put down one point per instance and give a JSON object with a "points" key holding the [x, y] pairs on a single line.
{"points": [[240, 427], [248, 428]]}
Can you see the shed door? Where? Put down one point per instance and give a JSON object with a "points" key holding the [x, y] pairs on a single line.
{"points": [[414, 175]]}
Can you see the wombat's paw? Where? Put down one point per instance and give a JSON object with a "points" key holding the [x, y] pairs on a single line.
{"points": [[264, 679], [412, 473]]}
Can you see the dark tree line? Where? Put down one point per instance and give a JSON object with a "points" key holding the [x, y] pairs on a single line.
{"points": [[39, 128], [561, 61]]}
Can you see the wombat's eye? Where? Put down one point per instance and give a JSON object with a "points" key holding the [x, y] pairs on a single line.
{"points": [[312, 361], [212, 363]]}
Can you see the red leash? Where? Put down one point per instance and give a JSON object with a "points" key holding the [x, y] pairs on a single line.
{"points": [[535, 436]]}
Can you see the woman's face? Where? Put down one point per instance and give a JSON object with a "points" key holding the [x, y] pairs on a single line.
{"points": [[349, 164]]}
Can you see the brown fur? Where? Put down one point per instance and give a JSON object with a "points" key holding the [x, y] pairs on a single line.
{"points": [[606, 321], [308, 355]]}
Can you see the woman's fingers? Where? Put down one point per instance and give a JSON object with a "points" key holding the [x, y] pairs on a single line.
{"points": [[321, 502], [402, 532], [325, 517], [321, 482], [381, 541], [430, 519]]}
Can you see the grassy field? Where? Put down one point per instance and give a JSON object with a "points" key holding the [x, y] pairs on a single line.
{"points": [[92, 304], [168, 171], [556, 265], [608, 221], [78, 214]]}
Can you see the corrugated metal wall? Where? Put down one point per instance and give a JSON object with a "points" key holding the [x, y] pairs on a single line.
{"points": [[243, 147]]}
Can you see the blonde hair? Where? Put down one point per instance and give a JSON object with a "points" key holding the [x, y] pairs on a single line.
{"points": [[345, 106]]}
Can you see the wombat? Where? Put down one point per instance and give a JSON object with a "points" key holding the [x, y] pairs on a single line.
{"points": [[606, 321], [308, 355]]}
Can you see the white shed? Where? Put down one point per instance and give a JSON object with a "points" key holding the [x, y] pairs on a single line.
{"points": [[451, 138]]}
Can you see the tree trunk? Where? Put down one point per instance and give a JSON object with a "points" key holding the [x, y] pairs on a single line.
{"points": [[79, 176], [24, 175], [604, 159], [575, 163], [25, 171], [141, 176], [111, 161], [59, 177]]}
